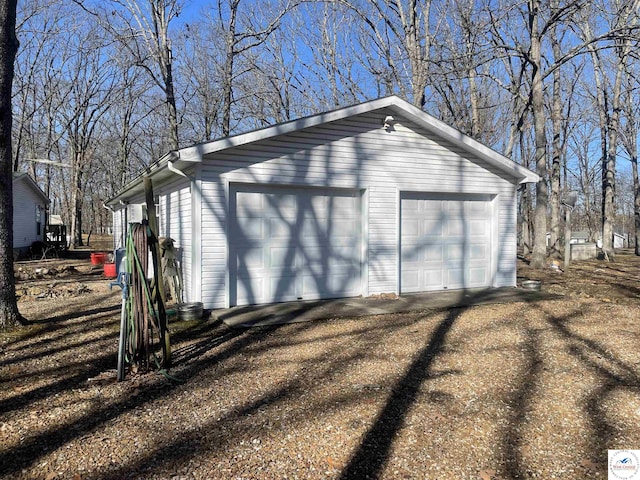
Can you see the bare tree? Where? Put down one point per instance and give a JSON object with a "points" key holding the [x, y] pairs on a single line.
{"points": [[9, 315], [402, 30], [242, 33], [90, 82], [201, 75], [142, 29], [584, 173], [629, 139]]}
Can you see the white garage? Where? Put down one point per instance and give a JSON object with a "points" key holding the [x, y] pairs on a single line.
{"points": [[373, 198], [445, 242], [292, 244]]}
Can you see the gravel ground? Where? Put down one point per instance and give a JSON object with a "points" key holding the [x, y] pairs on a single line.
{"points": [[522, 390]]}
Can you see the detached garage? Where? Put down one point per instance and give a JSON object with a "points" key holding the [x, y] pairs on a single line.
{"points": [[375, 198]]}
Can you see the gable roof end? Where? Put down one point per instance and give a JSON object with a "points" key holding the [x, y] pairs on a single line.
{"points": [[181, 158], [24, 177], [404, 108]]}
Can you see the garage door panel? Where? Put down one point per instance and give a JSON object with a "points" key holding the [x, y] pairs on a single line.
{"points": [[454, 209], [455, 227], [454, 252], [433, 279], [476, 208], [445, 242], [346, 206], [410, 228], [249, 204], [479, 252], [282, 288], [455, 277], [251, 289], [410, 277], [433, 227], [478, 276], [253, 256], [345, 229], [314, 255], [310, 241], [280, 228], [282, 203], [478, 228], [281, 257], [250, 228]]}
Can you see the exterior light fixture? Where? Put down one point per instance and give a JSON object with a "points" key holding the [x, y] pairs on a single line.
{"points": [[389, 122]]}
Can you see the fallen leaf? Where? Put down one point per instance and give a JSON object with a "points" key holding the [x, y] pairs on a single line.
{"points": [[487, 474], [588, 464]]}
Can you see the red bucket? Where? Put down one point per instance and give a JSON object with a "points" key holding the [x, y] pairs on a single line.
{"points": [[98, 258], [110, 270]]}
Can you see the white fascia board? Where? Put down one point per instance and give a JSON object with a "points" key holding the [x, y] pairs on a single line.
{"points": [[135, 186], [511, 168]]}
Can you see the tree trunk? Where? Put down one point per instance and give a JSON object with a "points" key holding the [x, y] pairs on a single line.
{"points": [[9, 315], [609, 162], [636, 197], [77, 201], [556, 158], [537, 107], [165, 60]]}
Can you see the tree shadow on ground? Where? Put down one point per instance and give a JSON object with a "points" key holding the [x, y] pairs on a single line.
{"points": [[373, 452], [33, 447], [612, 375]]}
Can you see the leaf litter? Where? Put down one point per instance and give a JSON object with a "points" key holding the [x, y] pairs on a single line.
{"points": [[517, 390]]}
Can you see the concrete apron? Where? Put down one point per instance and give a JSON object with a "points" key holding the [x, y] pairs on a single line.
{"points": [[310, 310]]}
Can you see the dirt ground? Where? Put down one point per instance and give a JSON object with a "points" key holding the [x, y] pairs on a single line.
{"points": [[519, 390]]}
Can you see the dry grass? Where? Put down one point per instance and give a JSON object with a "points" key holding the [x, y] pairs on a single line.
{"points": [[521, 390]]}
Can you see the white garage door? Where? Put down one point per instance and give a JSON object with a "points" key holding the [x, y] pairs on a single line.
{"points": [[291, 244], [445, 242]]}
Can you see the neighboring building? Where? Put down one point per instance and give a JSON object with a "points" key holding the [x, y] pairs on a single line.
{"points": [[29, 212], [374, 198], [579, 237], [620, 241]]}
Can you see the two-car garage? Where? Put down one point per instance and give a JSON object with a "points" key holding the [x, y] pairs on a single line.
{"points": [[370, 199], [293, 243]]}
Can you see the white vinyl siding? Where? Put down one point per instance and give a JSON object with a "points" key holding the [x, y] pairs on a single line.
{"points": [[25, 200], [355, 153], [176, 222]]}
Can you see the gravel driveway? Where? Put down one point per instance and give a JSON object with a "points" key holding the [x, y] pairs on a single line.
{"points": [[521, 390]]}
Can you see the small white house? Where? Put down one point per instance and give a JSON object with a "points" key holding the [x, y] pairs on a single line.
{"points": [[29, 211], [374, 198]]}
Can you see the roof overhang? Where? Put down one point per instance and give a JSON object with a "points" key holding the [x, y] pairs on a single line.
{"points": [[24, 177], [177, 161]]}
